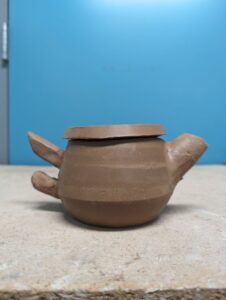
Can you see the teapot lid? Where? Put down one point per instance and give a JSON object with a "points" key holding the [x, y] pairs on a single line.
{"points": [[114, 131]]}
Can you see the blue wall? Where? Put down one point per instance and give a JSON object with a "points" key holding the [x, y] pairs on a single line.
{"points": [[85, 62]]}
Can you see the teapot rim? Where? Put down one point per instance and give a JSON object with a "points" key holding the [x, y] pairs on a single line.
{"points": [[114, 131]]}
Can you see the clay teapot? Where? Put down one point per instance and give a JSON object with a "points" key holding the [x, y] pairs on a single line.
{"points": [[118, 175]]}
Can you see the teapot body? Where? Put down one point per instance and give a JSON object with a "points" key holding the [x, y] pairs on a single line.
{"points": [[118, 182], [116, 175]]}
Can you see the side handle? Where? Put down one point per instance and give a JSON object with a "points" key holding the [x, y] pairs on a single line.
{"points": [[51, 153], [44, 183]]}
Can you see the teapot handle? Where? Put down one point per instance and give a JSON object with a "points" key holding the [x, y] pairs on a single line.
{"points": [[51, 153], [44, 183]]}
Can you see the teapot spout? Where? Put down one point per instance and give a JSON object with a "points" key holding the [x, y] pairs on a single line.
{"points": [[183, 152], [46, 150]]}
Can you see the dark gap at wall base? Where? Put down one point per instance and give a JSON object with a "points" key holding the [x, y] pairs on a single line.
{"points": [[185, 294]]}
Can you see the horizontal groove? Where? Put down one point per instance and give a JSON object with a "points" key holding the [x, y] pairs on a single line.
{"points": [[121, 166]]}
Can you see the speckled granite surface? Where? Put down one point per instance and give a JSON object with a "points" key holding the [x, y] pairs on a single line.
{"points": [[43, 250]]}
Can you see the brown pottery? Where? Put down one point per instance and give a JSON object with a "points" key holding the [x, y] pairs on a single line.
{"points": [[118, 175]]}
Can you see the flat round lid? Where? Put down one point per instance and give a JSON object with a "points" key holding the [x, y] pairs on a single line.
{"points": [[114, 131]]}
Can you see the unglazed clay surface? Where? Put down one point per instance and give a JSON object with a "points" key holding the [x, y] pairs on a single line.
{"points": [[117, 176]]}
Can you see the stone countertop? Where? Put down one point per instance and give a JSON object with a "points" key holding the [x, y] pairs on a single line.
{"points": [[43, 249]]}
